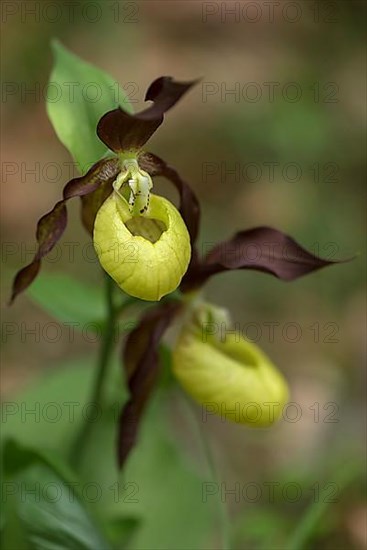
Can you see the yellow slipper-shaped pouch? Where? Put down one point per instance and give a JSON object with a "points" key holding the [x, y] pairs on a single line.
{"points": [[230, 377], [146, 255]]}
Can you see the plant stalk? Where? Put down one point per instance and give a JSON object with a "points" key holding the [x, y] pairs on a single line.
{"points": [[106, 345], [104, 357], [223, 516]]}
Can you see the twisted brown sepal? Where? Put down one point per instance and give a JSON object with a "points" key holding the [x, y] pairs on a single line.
{"points": [[52, 225], [262, 249], [49, 230], [105, 174], [121, 131], [141, 367]]}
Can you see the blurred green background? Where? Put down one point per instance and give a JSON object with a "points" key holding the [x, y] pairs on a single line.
{"points": [[223, 143]]}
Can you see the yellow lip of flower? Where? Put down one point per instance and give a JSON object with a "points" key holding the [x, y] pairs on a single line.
{"points": [[146, 255], [229, 376]]}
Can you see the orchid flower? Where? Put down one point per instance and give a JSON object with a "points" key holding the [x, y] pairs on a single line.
{"points": [[149, 248], [141, 240]]}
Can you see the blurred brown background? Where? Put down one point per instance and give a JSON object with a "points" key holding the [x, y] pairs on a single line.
{"points": [[273, 135]]}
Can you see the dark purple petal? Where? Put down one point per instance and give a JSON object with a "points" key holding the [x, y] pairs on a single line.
{"points": [[121, 131], [262, 249], [52, 225], [189, 204], [24, 278], [141, 368], [93, 201], [165, 92], [102, 171], [49, 230]]}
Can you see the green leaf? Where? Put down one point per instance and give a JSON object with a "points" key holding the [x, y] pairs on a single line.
{"points": [[49, 413], [68, 300], [51, 409], [55, 520], [47, 504], [17, 457], [164, 512], [81, 305], [79, 94]]}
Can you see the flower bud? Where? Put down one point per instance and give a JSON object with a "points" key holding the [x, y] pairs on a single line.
{"points": [[226, 373], [147, 255]]}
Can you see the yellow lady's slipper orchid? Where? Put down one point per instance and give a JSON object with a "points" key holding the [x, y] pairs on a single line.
{"points": [[227, 374], [147, 255]]}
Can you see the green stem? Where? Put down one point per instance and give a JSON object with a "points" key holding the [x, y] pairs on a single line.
{"points": [[306, 528], [106, 345], [105, 353], [207, 452], [222, 508]]}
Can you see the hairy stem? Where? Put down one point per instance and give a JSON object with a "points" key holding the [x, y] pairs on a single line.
{"points": [[104, 357], [106, 344]]}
